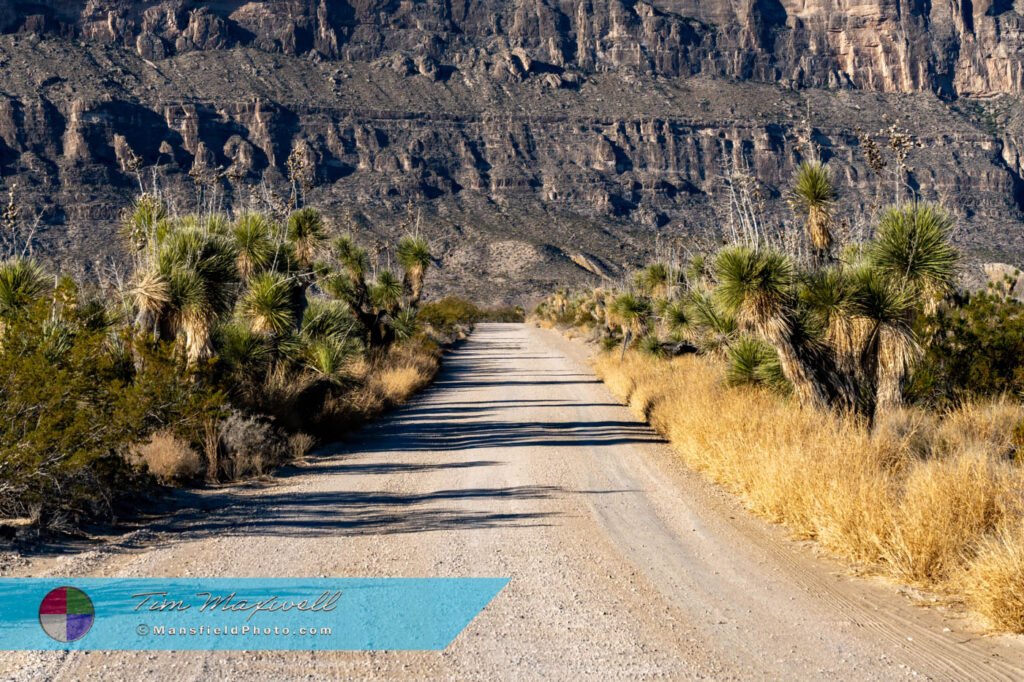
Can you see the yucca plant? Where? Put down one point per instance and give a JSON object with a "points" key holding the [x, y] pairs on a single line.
{"points": [[244, 352], [353, 258], [351, 286], [305, 234], [634, 313], [675, 318], [414, 257], [328, 319], [405, 324], [813, 197], [650, 344], [655, 279], [713, 327], [885, 309], [141, 223], [698, 271], [753, 362], [758, 287], [188, 285], [267, 304], [912, 245], [386, 292], [328, 357], [827, 297], [22, 282], [254, 241], [216, 223]]}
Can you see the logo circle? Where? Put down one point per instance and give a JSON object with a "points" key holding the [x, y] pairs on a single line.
{"points": [[66, 614]]}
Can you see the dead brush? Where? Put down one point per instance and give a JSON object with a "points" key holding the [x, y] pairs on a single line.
{"points": [[170, 459]]}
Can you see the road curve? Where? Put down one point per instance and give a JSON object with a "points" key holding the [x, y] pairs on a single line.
{"points": [[518, 463]]}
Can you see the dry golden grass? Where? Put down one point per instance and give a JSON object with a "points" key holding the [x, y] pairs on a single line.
{"points": [[995, 578], [398, 384], [932, 499], [168, 458], [300, 445], [406, 369]]}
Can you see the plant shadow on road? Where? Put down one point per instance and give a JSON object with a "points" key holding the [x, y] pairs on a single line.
{"points": [[233, 513]]}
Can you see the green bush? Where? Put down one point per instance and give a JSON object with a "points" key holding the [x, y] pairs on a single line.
{"points": [[74, 396], [449, 313], [973, 348]]}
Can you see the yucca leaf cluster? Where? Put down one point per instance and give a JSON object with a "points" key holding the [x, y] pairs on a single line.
{"points": [[836, 332]]}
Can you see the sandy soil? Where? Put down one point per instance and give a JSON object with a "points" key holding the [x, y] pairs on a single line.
{"points": [[623, 564]]}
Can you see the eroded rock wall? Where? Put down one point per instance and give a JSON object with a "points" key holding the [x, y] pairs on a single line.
{"points": [[954, 47]]}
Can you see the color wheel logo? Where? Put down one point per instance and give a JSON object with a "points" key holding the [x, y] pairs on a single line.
{"points": [[66, 614]]}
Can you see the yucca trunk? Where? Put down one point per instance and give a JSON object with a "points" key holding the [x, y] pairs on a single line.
{"points": [[414, 284], [818, 220], [889, 394], [198, 342], [895, 355], [808, 390]]}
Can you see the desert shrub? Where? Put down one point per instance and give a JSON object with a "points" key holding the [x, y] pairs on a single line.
{"points": [[374, 387], [249, 446], [74, 396], [167, 457], [448, 314], [974, 348], [504, 313], [301, 444]]}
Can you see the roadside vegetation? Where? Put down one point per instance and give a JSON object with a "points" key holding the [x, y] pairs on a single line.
{"points": [[845, 387], [235, 344]]}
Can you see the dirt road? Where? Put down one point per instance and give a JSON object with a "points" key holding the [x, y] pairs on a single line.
{"points": [[518, 463]]}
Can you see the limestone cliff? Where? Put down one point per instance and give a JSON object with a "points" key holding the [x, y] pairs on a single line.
{"points": [[563, 132]]}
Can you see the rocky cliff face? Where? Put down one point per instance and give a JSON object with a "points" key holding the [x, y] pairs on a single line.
{"points": [[955, 47], [526, 136]]}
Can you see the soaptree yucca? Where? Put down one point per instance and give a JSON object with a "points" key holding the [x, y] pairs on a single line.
{"points": [[812, 197], [633, 313], [305, 234], [22, 282], [758, 288], [414, 257], [913, 246], [883, 309], [655, 279], [188, 284], [255, 244], [267, 304]]}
